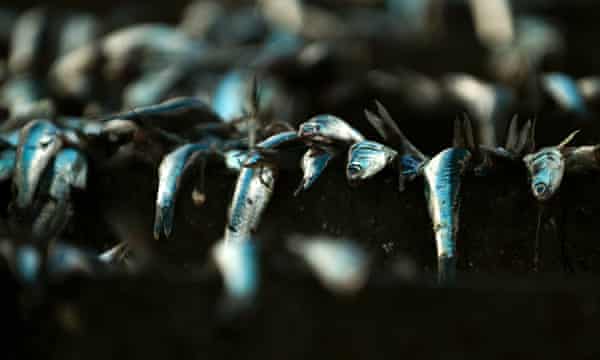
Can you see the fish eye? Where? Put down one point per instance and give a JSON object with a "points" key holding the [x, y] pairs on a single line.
{"points": [[46, 140], [354, 168]]}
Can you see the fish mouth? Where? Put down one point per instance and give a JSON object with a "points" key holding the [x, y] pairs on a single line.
{"points": [[354, 172], [542, 191]]}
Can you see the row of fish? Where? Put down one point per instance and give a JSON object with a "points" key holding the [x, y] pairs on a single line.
{"points": [[238, 85]]}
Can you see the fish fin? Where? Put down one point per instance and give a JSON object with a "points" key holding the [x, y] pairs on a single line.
{"points": [[407, 146], [377, 124], [512, 134], [567, 140]]}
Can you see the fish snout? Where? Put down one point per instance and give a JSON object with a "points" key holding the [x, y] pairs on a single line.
{"points": [[541, 191]]}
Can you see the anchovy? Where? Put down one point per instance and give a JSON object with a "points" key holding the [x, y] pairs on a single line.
{"points": [[340, 265], [27, 40], [152, 87], [266, 150], [565, 92], [328, 129], [170, 107], [230, 97], [253, 191], [546, 169], [77, 31], [24, 99], [235, 159], [443, 178], [7, 163], [313, 164], [39, 141], [238, 264], [367, 158], [170, 172], [27, 264]]}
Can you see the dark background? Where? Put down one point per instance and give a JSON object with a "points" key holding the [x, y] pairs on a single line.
{"points": [[500, 306]]}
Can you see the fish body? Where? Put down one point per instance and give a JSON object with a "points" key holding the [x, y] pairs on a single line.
{"points": [[39, 142], [70, 170], [565, 92], [313, 164], [546, 168], [253, 191], [367, 158], [238, 264], [443, 178], [231, 95], [329, 129], [7, 163], [340, 265], [170, 173]]}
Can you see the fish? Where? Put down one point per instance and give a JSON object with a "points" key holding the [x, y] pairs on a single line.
{"points": [[39, 142], [329, 129], [546, 168], [443, 179], [239, 267], [170, 173], [253, 190], [27, 40], [563, 89], [7, 164], [339, 264], [313, 164], [367, 158]]}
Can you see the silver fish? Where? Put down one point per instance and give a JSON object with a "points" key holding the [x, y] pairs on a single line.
{"points": [[563, 89], [39, 141], [339, 264], [26, 42], [329, 129], [367, 158], [238, 264], [443, 178], [546, 168], [70, 171], [78, 30], [7, 163], [253, 191], [313, 164], [170, 172]]}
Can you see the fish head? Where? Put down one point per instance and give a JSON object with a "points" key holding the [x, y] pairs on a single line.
{"points": [[327, 129], [367, 158], [39, 141], [545, 168]]}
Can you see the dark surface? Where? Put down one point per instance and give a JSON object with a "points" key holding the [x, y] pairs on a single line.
{"points": [[498, 309]]}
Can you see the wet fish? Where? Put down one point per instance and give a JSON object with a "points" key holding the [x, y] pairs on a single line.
{"points": [[443, 178], [367, 158], [253, 191], [563, 89], [70, 171], [329, 129], [238, 264], [340, 265], [170, 173], [27, 40], [38, 143], [313, 164], [546, 168], [7, 163], [25, 100]]}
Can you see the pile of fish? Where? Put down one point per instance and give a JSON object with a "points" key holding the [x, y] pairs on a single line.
{"points": [[245, 85]]}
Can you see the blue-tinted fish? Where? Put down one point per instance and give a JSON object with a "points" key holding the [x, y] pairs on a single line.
{"points": [[170, 173], [238, 264], [367, 158], [152, 87], [231, 95], [8, 159], [546, 167], [24, 98], [39, 141], [443, 178], [313, 164], [27, 263], [329, 129], [442, 175], [27, 40], [563, 89], [340, 265]]}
